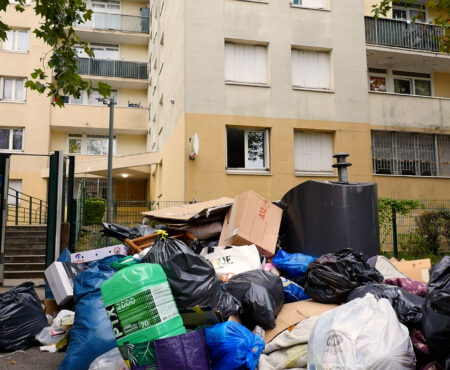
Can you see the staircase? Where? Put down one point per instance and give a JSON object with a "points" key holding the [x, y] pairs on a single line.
{"points": [[25, 251]]}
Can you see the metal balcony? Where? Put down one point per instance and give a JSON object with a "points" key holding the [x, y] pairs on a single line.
{"points": [[112, 68], [117, 22], [402, 34]]}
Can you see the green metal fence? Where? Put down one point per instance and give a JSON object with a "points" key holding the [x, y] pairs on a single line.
{"points": [[24, 209], [406, 226], [403, 34], [112, 68]]}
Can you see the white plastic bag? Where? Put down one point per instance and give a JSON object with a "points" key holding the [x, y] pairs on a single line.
{"points": [[54, 333], [230, 261], [111, 360], [361, 334]]}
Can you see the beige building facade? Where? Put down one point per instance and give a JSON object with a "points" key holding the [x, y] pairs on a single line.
{"points": [[270, 88]]}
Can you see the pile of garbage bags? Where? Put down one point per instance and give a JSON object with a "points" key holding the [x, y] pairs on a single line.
{"points": [[194, 304]]}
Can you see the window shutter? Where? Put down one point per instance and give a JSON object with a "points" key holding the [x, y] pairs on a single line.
{"points": [[2, 81], [22, 40], [245, 63], [311, 69], [313, 152], [318, 4], [8, 44], [13, 186]]}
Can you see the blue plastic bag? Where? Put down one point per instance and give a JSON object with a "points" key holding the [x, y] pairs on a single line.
{"points": [[292, 265], [292, 291], [91, 334], [233, 346]]}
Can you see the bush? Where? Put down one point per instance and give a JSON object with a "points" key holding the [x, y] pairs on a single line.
{"points": [[434, 226], [94, 209]]}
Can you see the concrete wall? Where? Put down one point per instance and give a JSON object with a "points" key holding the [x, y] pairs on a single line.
{"points": [[340, 30], [135, 53], [132, 7]]}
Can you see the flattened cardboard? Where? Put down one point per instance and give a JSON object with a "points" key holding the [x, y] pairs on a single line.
{"points": [[187, 212], [252, 220], [293, 313], [416, 269]]}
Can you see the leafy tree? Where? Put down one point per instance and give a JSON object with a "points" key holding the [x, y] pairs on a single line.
{"points": [[58, 75], [442, 7]]}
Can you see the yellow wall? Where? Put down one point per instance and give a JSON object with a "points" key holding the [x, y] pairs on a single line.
{"points": [[442, 84], [171, 186], [135, 53], [131, 7], [368, 7], [133, 96], [206, 177], [131, 144]]}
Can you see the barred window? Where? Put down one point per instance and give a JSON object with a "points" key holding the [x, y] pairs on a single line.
{"points": [[413, 154]]}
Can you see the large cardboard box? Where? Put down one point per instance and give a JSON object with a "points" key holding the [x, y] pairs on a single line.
{"points": [[98, 254], [252, 220], [293, 313], [416, 269]]}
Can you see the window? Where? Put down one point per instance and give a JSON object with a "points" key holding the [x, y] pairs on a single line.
{"points": [[316, 4], [16, 40], [400, 82], [12, 89], [106, 14], [313, 152], [245, 63], [409, 11], [11, 139], [14, 191], [247, 148], [94, 99], [101, 51], [311, 69], [89, 144], [414, 154]]}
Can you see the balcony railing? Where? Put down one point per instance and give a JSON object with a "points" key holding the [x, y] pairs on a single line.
{"points": [[403, 34], [112, 68], [117, 22]]}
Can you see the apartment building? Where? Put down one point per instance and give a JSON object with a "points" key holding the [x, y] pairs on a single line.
{"points": [[271, 88]]}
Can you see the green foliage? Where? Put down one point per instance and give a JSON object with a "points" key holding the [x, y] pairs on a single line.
{"points": [[94, 209], [385, 208], [442, 7], [58, 75], [434, 227]]}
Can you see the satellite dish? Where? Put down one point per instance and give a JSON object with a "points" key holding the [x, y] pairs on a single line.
{"points": [[193, 147]]}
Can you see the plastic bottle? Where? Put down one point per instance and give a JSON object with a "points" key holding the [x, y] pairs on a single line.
{"points": [[140, 304]]}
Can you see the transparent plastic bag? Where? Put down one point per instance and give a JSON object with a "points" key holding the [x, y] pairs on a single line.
{"points": [[361, 334], [111, 360]]}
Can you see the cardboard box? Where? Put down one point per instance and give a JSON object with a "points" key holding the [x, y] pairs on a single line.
{"points": [[293, 313], [416, 269], [98, 254], [60, 277], [252, 220], [51, 308]]}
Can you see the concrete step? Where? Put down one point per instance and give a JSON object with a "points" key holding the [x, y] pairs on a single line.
{"points": [[26, 228], [35, 258], [20, 239], [32, 266], [25, 250], [24, 275]]}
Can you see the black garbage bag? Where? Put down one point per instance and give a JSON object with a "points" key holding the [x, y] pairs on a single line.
{"points": [[331, 277], [121, 232], [407, 306], [192, 278], [436, 313], [21, 318], [261, 296]]}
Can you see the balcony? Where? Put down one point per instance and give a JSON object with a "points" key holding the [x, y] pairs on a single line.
{"points": [[388, 109], [402, 34], [118, 28], [94, 118], [115, 71]]}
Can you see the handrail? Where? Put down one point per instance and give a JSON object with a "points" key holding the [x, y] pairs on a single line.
{"points": [[403, 34], [29, 215], [112, 68], [117, 22]]}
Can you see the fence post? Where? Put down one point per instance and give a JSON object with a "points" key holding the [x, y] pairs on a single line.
{"points": [[30, 211], [40, 212], [17, 208], [115, 211], [394, 231]]}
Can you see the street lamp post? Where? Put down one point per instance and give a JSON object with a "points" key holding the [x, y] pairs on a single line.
{"points": [[110, 103]]}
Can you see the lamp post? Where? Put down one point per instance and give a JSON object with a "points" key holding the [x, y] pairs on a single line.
{"points": [[110, 103]]}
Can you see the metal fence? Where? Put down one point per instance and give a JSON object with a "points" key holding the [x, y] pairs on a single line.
{"points": [[112, 68], [23, 209], [403, 34], [117, 22], [407, 225]]}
